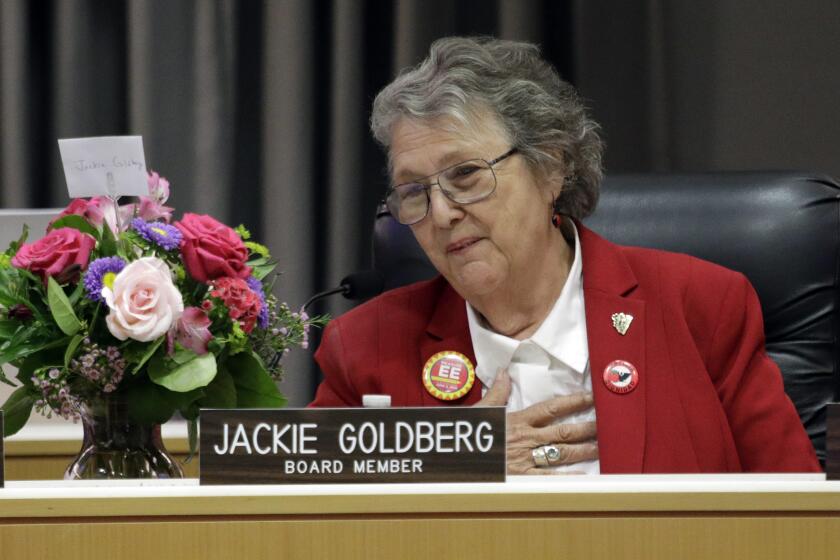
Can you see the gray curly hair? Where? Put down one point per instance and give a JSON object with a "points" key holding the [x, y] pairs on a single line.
{"points": [[545, 119]]}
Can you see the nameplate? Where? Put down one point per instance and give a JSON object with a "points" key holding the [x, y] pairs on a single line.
{"points": [[832, 442], [341, 445]]}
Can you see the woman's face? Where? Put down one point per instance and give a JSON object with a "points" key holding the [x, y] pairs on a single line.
{"points": [[489, 245]]}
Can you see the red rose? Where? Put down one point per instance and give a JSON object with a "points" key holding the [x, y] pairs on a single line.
{"points": [[58, 250], [211, 249], [242, 303], [77, 207]]}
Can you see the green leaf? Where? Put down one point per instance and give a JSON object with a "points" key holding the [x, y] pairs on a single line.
{"points": [[15, 245], [254, 386], [186, 402], [182, 355], [39, 315], [16, 285], [16, 410], [77, 293], [4, 379], [148, 354], [24, 348], [61, 309], [92, 324], [71, 348], [198, 372], [148, 404], [221, 392], [30, 276], [257, 262], [8, 328], [261, 271], [107, 243], [76, 222]]}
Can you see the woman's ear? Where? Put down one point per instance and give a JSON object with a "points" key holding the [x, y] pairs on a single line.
{"points": [[552, 185]]}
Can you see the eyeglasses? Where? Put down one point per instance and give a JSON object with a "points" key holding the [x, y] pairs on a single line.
{"points": [[463, 183]]}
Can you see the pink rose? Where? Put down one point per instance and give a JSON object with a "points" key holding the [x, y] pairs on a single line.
{"points": [[211, 249], [77, 207], [59, 249], [192, 330], [143, 301]]}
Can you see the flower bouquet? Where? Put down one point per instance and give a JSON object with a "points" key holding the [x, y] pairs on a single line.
{"points": [[120, 308]]}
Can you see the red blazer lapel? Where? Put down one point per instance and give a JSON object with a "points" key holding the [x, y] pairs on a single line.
{"points": [[608, 280], [449, 330]]}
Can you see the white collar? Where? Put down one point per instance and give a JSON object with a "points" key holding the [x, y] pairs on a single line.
{"points": [[562, 334]]}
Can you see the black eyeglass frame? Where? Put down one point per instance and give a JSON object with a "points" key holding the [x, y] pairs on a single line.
{"points": [[428, 186]]}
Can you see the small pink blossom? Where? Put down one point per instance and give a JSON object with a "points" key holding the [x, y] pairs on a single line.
{"points": [[158, 187], [192, 330], [96, 211], [101, 209], [148, 209]]}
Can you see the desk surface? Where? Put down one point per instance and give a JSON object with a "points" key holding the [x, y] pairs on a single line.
{"points": [[722, 517], [801, 494]]}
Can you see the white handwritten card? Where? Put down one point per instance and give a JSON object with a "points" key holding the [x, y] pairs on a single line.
{"points": [[106, 165]]}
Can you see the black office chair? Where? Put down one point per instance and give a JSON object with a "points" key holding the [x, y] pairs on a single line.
{"points": [[781, 229]]}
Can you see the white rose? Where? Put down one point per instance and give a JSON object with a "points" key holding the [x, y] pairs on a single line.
{"points": [[143, 301]]}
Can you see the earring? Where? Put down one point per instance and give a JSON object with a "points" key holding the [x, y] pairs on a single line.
{"points": [[556, 219]]}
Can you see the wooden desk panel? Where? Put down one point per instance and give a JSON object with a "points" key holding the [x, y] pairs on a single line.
{"points": [[486, 538], [646, 518]]}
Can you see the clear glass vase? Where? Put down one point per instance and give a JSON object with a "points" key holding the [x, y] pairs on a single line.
{"points": [[114, 446]]}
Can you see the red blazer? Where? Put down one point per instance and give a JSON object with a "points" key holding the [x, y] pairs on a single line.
{"points": [[709, 399]]}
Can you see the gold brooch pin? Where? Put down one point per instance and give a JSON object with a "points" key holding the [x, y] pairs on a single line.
{"points": [[621, 322]]}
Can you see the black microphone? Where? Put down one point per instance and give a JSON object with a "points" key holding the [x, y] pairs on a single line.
{"points": [[359, 285]]}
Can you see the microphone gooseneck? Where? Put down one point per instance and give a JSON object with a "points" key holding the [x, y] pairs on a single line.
{"points": [[359, 285]]}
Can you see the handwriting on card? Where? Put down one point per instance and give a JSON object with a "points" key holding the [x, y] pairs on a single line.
{"points": [[115, 163], [108, 165]]}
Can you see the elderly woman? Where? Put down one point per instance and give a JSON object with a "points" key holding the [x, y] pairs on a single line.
{"points": [[610, 359]]}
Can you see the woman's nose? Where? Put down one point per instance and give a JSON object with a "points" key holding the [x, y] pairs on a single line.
{"points": [[442, 211]]}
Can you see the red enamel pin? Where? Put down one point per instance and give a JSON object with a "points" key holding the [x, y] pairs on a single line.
{"points": [[621, 376]]}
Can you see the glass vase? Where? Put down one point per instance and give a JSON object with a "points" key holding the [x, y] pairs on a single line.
{"points": [[114, 446]]}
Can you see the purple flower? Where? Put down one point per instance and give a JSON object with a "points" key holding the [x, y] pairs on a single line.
{"points": [[101, 273], [262, 318], [164, 235], [257, 287]]}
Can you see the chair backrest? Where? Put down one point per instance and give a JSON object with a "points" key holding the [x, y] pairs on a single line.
{"points": [[781, 229]]}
